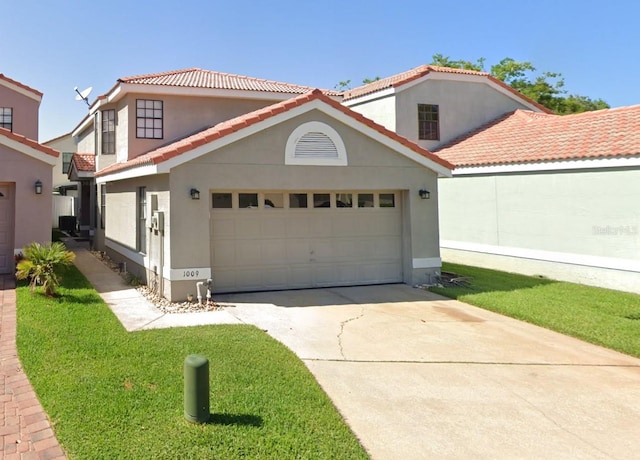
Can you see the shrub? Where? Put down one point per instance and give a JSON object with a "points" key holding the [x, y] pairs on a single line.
{"points": [[42, 265]]}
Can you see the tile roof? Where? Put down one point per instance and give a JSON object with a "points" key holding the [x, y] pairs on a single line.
{"points": [[21, 85], [84, 162], [523, 136], [29, 142], [200, 78], [236, 124], [403, 78]]}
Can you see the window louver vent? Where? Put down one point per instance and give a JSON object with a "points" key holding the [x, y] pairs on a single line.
{"points": [[315, 145]]}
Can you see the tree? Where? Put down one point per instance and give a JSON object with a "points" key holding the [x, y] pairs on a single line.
{"points": [[546, 88], [42, 265]]}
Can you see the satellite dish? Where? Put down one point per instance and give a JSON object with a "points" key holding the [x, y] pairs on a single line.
{"points": [[84, 94]]}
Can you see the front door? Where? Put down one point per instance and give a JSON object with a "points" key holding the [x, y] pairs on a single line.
{"points": [[6, 228]]}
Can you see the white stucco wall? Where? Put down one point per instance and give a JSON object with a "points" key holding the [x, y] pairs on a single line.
{"points": [[570, 220], [463, 106], [382, 111], [62, 144]]}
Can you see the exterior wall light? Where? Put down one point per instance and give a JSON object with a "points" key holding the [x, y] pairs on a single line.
{"points": [[424, 194], [195, 194], [38, 187]]}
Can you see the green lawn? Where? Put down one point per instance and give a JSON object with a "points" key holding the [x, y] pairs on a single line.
{"points": [[113, 394], [601, 316]]}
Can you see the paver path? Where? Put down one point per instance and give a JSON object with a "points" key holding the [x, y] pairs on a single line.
{"points": [[24, 426]]}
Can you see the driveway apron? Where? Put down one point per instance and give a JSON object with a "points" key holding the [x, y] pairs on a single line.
{"points": [[418, 376]]}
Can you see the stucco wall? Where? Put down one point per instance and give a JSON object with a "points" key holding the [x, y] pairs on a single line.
{"points": [[86, 141], [587, 218], [463, 106], [25, 112], [382, 111], [62, 144], [32, 212], [182, 116]]}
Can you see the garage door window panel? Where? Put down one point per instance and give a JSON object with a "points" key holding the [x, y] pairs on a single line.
{"points": [[297, 200], [222, 200], [248, 200], [273, 200], [365, 200], [321, 200], [387, 200], [344, 200]]}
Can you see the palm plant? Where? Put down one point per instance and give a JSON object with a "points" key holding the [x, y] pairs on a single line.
{"points": [[42, 265]]}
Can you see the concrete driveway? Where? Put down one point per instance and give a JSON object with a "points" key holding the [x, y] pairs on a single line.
{"points": [[417, 376]]}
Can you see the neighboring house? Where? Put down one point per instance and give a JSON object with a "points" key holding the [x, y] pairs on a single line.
{"points": [[432, 105], [258, 185], [531, 192], [25, 173], [67, 147], [81, 172], [547, 195]]}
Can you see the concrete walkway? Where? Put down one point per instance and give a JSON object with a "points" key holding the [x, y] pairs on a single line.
{"points": [[24, 427], [419, 376]]}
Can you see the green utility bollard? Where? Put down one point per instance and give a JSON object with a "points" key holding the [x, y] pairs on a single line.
{"points": [[196, 389]]}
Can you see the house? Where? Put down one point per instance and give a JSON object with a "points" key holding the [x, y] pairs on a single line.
{"points": [[66, 145], [257, 185], [432, 105], [531, 192], [547, 195], [25, 172]]}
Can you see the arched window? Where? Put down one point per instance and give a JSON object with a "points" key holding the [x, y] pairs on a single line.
{"points": [[315, 143]]}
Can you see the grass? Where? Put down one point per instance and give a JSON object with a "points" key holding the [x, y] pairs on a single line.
{"points": [[601, 316], [119, 395]]}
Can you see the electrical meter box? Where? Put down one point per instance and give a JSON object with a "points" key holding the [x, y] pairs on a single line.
{"points": [[157, 221]]}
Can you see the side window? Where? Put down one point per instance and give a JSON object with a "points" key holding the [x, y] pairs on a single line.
{"points": [[6, 118], [108, 132], [66, 161], [428, 122]]}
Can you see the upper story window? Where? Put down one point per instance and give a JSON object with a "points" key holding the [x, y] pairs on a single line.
{"points": [[66, 161], [6, 118], [148, 119], [428, 122], [108, 131]]}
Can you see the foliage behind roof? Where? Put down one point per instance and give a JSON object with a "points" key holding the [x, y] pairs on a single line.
{"points": [[398, 80]]}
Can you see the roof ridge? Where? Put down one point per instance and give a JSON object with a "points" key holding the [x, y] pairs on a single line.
{"points": [[410, 75], [21, 85], [157, 74]]}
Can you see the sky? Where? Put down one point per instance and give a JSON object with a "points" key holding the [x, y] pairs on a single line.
{"points": [[56, 45]]}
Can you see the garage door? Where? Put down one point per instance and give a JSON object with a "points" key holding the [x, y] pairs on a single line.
{"points": [[277, 240], [6, 229]]}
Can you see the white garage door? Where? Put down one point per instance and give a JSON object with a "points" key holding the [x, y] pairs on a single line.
{"points": [[278, 240]]}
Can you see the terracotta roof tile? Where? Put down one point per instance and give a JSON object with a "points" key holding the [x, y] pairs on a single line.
{"points": [[403, 78], [29, 142], [21, 85], [84, 162], [525, 137], [236, 124], [199, 78]]}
